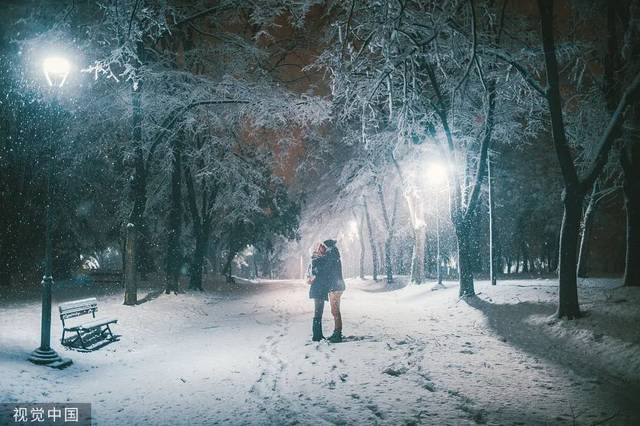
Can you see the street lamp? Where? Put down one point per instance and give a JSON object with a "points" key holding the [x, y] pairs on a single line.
{"points": [[492, 261], [56, 69], [437, 174]]}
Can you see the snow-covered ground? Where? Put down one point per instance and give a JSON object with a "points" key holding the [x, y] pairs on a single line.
{"points": [[413, 356]]}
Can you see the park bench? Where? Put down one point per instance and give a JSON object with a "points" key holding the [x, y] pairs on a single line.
{"points": [[85, 333]]}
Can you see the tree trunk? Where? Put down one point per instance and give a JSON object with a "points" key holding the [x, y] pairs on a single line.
{"points": [[417, 258], [569, 232], [499, 259], [130, 284], [139, 185], [372, 243], [400, 259], [630, 156], [630, 150], [362, 244], [5, 270], [174, 252], [465, 260], [227, 266], [525, 255], [255, 262], [585, 231], [387, 260], [201, 220], [574, 187], [555, 254], [425, 254], [214, 257], [632, 255], [268, 257], [5, 150], [417, 255], [390, 225], [197, 261], [7, 243]]}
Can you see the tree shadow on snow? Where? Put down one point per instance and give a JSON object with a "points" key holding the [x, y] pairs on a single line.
{"points": [[150, 296], [502, 318], [10, 352], [513, 322]]}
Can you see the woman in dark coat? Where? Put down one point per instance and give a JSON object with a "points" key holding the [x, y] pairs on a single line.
{"points": [[317, 277], [336, 286]]}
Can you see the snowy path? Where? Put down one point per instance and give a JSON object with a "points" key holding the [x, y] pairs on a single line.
{"points": [[413, 356]]}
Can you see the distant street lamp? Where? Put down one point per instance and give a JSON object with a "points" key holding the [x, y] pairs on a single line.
{"points": [[56, 71], [437, 174]]}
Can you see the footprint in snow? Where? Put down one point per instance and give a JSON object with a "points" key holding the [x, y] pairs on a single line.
{"points": [[395, 371], [375, 410], [358, 338]]}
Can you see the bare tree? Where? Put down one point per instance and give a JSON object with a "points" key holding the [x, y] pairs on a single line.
{"points": [[575, 186]]}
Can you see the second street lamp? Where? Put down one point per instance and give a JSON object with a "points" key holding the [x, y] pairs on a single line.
{"points": [[56, 71]]}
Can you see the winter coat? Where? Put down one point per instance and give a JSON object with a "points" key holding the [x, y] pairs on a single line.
{"points": [[335, 282], [319, 288]]}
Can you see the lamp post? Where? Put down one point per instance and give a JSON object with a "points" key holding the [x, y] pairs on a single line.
{"points": [[438, 268], [438, 176], [56, 70], [492, 261]]}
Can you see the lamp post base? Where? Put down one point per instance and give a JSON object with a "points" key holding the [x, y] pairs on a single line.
{"points": [[50, 358]]}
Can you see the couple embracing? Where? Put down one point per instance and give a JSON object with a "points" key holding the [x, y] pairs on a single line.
{"points": [[325, 277]]}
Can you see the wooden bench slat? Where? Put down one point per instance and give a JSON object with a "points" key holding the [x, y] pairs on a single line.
{"points": [[75, 304], [92, 324], [98, 323], [77, 313]]}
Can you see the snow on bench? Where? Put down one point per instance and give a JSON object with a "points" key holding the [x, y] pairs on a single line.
{"points": [[86, 333]]}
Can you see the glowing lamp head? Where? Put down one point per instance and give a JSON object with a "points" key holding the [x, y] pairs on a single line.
{"points": [[353, 227], [56, 69], [437, 173]]}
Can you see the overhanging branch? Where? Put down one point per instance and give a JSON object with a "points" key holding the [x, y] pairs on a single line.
{"points": [[609, 135], [528, 78], [173, 117]]}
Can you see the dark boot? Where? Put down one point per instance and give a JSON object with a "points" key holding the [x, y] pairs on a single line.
{"points": [[317, 330], [336, 337]]}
